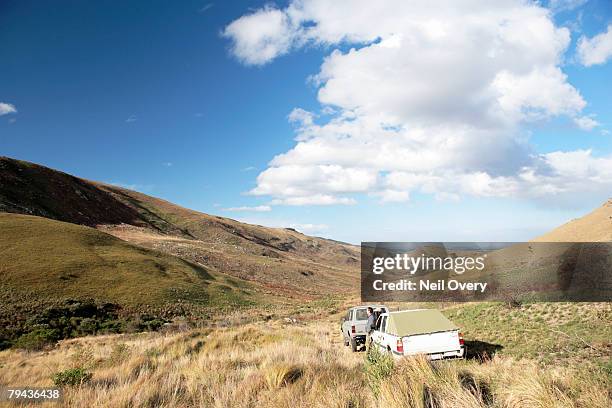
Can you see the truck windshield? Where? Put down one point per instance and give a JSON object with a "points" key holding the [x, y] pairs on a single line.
{"points": [[361, 314]]}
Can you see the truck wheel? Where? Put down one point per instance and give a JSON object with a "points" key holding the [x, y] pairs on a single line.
{"points": [[354, 345], [346, 340]]}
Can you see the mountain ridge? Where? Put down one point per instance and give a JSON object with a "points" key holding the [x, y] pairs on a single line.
{"points": [[279, 258], [595, 226]]}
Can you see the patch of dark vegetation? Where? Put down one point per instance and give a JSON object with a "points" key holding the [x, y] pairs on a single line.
{"points": [[31, 189], [144, 322], [286, 246], [75, 319], [71, 377]]}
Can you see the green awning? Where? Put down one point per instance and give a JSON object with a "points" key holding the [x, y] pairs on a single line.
{"points": [[411, 322]]}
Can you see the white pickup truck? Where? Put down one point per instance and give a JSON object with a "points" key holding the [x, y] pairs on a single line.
{"points": [[422, 331], [354, 322]]}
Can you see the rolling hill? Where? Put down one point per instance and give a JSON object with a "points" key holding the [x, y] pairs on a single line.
{"points": [[283, 260], [61, 279], [593, 227], [54, 260]]}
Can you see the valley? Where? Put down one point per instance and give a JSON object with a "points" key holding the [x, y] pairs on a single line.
{"points": [[134, 301]]}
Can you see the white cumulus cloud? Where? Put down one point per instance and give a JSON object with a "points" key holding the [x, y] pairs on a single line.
{"points": [[586, 123], [301, 117], [260, 37], [392, 196], [6, 108], [259, 208], [596, 50], [432, 96]]}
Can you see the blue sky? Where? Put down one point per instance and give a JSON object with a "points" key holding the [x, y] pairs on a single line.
{"points": [[191, 101]]}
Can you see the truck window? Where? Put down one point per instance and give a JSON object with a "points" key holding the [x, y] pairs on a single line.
{"points": [[361, 314], [383, 325]]}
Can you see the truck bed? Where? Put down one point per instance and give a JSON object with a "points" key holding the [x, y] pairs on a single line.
{"points": [[435, 345]]}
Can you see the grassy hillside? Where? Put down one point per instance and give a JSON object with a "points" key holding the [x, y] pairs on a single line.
{"points": [[554, 333], [280, 258], [45, 263], [283, 260], [593, 227], [54, 259]]}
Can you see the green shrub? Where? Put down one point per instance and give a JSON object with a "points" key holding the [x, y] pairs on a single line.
{"points": [[378, 366], [37, 339], [144, 322], [112, 326], [150, 323], [71, 377], [119, 353], [73, 318], [88, 326]]}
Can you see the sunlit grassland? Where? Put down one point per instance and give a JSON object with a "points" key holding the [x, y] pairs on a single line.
{"points": [[302, 363]]}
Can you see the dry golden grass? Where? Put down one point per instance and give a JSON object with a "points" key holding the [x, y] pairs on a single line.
{"points": [[593, 227], [499, 382], [275, 364]]}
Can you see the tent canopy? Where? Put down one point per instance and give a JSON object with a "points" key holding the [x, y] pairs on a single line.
{"points": [[411, 322]]}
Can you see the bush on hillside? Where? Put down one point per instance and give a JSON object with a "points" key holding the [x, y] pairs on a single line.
{"points": [[145, 322], [74, 318], [37, 339], [119, 353], [72, 377]]}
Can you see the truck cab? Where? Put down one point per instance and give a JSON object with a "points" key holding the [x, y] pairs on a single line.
{"points": [[354, 323], [424, 331]]}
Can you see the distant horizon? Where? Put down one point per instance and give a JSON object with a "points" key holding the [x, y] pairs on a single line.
{"points": [[465, 122], [493, 245]]}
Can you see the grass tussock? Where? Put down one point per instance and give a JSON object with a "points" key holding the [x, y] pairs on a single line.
{"points": [[280, 375], [499, 382], [276, 365]]}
